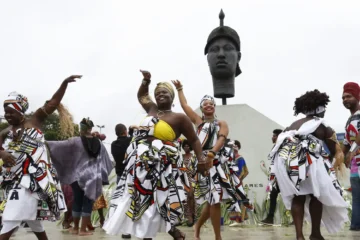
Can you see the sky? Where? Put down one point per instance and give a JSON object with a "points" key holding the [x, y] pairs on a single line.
{"points": [[288, 48]]}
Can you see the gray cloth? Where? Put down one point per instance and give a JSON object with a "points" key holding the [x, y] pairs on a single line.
{"points": [[73, 163]]}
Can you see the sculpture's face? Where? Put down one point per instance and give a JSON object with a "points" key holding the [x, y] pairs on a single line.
{"points": [[223, 58]]}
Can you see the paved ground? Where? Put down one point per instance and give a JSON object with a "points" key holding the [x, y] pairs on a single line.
{"points": [[245, 232]]}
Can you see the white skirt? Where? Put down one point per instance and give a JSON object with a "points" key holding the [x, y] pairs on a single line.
{"points": [[147, 226], [319, 184]]}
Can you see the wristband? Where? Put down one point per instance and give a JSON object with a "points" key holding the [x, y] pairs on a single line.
{"points": [[146, 82]]}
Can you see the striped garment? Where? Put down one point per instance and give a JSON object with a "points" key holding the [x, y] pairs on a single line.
{"points": [[301, 167], [34, 173], [223, 185], [149, 196]]}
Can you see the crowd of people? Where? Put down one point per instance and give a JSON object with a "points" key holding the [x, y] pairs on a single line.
{"points": [[158, 186]]}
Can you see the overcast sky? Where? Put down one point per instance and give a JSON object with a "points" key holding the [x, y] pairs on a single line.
{"points": [[287, 48]]}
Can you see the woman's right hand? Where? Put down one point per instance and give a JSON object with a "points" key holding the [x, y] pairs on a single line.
{"points": [[146, 74], [176, 83], [205, 165], [8, 158], [72, 78]]}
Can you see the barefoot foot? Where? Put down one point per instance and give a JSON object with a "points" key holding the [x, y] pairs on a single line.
{"points": [[316, 237], [85, 233], [74, 231]]}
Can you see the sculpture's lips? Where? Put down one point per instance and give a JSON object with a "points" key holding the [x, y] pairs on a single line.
{"points": [[221, 63]]}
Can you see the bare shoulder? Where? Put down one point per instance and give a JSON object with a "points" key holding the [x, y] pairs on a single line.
{"points": [[182, 117], [222, 123]]}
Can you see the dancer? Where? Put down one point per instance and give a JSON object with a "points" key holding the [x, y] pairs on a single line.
{"points": [[33, 192], [297, 163], [222, 184], [149, 195], [84, 163], [190, 205], [351, 98]]}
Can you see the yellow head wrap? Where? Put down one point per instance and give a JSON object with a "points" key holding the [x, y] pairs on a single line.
{"points": [[167, 86]]}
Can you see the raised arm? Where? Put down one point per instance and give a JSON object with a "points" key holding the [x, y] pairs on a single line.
{"points": [[143, 93], [194, 117], [50, 106]]}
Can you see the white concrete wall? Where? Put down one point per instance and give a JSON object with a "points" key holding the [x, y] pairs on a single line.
{"points": [[254, 131]]}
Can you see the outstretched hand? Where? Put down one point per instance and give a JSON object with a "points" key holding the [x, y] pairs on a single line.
{"points": [[72, 78], [176, 83], [146, 74]]}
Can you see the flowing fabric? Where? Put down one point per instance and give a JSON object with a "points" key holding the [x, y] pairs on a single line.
{"points": [[149, 196], [223, 185], [33, 178], [301, 166], [74, 164]]}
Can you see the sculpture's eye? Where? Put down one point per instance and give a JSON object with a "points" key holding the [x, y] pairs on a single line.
{"points": [[214, 49], [229, 47]]}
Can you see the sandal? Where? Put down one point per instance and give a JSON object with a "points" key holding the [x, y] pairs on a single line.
{"points": [[177, 234]]}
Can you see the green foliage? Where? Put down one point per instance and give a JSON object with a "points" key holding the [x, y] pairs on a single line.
{"points": [[3, 125], [51, 127]]}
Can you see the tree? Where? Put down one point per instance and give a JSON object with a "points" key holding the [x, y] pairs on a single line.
{"points": [[51, 127]]}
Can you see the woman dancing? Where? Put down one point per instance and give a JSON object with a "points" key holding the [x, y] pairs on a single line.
{"points": [[84, 163], [30, 180], [222, 184], [190, 205], [300, 166], [149, 195]]}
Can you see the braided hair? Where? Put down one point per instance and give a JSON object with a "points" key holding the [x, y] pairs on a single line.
{"points": [[310, 101]]}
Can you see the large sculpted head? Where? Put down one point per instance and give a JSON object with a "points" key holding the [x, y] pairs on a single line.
{"points": [[223, 56]]}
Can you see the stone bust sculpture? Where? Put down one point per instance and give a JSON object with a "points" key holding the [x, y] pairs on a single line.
{"points": [[223, 56]]}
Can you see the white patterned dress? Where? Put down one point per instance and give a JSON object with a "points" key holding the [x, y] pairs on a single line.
{"points": [[301, 166], [223, 185], [32, 189], [149, 196]]}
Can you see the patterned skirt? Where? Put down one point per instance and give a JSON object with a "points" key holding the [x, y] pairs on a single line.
{"points": [[223, 185], [301, 167], [149, 196]]}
